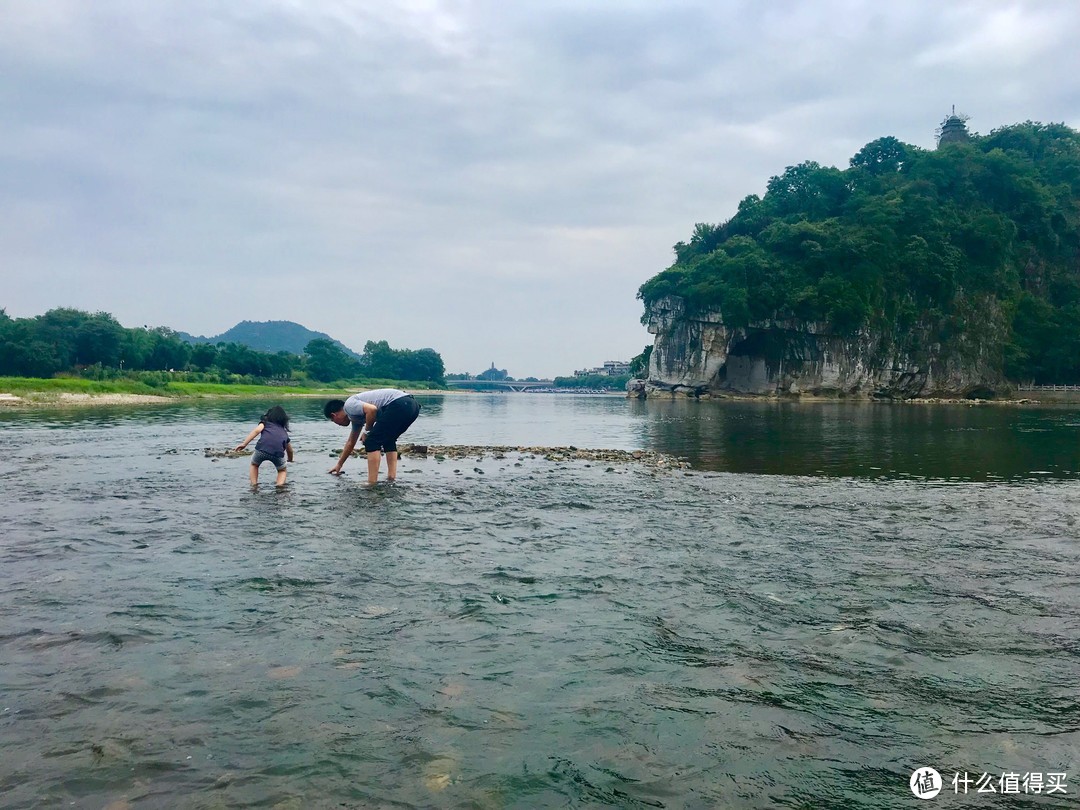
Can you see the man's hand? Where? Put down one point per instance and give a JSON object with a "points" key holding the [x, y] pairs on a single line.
{"points": [[335, 470]]}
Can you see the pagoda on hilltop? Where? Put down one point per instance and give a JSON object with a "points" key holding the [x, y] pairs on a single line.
{"points": [[954, 128]]}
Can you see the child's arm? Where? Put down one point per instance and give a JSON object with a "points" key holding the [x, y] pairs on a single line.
{"points": [[288, 450], [250, 436]]}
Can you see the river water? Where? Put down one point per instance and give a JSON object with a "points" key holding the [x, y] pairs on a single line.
{"points": [[831, 597]]}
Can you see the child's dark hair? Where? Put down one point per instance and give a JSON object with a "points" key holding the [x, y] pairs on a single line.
{"points": [[276, 415]]}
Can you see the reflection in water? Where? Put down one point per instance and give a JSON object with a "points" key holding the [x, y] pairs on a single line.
{"points": [[511, 632]]}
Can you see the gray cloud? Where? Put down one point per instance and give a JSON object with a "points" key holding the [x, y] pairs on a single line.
{"points": [[490, 180]]}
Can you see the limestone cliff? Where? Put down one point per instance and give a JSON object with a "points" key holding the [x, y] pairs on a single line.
{"points": [[697, 353]]}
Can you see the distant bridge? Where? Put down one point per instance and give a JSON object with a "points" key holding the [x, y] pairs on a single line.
{"points": [[495, 385]]}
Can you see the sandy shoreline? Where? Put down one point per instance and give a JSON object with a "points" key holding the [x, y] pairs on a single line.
{"points": [[42, 400]]}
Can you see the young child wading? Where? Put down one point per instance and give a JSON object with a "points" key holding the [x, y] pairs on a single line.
{"points": [[273, 444]]}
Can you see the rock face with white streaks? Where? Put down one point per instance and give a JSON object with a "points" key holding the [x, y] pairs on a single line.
{"points": [[696, 353]]}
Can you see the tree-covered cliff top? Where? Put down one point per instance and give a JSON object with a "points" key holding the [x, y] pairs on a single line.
{"points": [[904, 238]]}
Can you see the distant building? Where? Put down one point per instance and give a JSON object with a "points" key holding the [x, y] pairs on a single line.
{"points": [[611, 368], [954, 129], [493, 373]]}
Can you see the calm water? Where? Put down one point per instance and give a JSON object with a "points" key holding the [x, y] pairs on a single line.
{"points": [[834, 595]]}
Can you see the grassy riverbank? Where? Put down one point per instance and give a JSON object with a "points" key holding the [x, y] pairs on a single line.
{"points": [[75, 390]]}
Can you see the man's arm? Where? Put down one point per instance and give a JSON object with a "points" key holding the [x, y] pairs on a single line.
{"points": [[370, 411], [346, 451]]}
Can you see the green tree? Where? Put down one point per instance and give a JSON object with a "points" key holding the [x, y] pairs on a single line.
{"points": [[807, 190], [203, 356], [380, 361], [236, 358], [59, 329], [639, 366], [883, 156], [421, 364], [282, 364], [326, 362], [98, 339], [168, 352]]}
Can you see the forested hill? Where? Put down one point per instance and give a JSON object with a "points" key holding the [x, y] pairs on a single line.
{"points": [[910, 245], [269, 336], [95, 345]]}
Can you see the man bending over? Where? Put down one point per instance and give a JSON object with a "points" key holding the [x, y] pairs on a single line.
{"points": [[377, 419]]}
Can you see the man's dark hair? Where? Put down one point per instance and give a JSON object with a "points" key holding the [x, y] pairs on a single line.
{"points": [[332, 407]]}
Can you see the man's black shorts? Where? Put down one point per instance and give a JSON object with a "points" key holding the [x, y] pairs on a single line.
{"points": [[390, 422]]}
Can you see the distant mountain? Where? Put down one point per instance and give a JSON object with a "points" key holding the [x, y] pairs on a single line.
{"points": [[269, 336]]}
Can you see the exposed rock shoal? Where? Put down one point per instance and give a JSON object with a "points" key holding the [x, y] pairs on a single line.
{"points": [[568, 453], [459, 451]]}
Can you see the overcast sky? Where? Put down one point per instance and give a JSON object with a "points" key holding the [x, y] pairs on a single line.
{"points": [[490, 179]]}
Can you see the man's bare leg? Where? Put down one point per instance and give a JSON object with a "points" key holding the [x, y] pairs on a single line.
{"points": [[374, 457], [391, 465]]}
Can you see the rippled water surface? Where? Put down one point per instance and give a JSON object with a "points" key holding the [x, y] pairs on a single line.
{"points": [[832, 596]]}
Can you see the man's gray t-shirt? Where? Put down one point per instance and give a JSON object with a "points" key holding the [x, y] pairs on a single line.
{"points": [[380, 398]]}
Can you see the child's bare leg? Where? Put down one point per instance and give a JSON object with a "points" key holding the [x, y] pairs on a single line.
{"points": [[373, 459], [281, 477], [253, 474], [391, 465]]}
